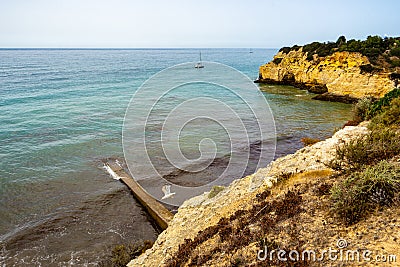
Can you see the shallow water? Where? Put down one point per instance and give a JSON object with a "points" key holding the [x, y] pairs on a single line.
{"points": [[61, 113]]}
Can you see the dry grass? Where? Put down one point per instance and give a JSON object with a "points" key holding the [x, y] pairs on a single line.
{"points": [[364, 191], [379, 144]]}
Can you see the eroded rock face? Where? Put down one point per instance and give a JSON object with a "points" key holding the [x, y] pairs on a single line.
{"points": [[200, 212], [340, 73]]}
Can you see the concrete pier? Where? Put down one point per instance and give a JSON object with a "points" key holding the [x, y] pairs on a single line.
{"points": [[156, 210]]}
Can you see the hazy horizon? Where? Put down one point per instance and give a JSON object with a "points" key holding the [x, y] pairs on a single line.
{"points": [[190, 24]]}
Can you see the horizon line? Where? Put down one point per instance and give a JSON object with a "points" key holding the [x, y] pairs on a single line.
{"points": [[126, 48]]}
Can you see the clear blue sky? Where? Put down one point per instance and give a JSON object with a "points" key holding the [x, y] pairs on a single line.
{"points": [[189, 23]]}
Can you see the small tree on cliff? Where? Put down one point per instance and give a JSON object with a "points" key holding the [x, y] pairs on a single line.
{"points": [[341, 40]]}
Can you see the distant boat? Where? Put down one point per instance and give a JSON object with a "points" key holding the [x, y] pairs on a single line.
{"points": [[251, 51], [199, 65]]}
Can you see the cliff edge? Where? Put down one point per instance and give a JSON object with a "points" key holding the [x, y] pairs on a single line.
{"points": [[339, 74], [283, 205], [327, 68]]}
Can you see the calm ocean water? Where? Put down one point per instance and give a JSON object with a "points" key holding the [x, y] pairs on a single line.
{"points": [[61, 113]]}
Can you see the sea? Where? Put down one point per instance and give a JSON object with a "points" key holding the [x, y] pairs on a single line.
{"points": [[61, 116]]}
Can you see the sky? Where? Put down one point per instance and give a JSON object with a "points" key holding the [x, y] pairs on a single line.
{"points": [[189, 23]]}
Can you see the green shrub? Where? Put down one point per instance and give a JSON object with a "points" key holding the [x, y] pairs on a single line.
{"points": [[351, 46], [374, 47], [389, 117], [378, 145], [395, 63], [384, 102], [277, 60], [311, 49], [373, 42], [395, 52], [362, 109], [285, 49], [371, 53], [341, 40], [364, 191]]}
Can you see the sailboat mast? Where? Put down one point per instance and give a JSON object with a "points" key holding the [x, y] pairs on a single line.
{"points": [[199, 65]]}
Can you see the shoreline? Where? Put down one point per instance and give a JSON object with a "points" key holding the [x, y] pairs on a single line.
{"points": [[319, 89], [201, 212]]}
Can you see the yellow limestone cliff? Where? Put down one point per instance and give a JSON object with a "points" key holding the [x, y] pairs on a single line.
{"points": [[340, 73]]}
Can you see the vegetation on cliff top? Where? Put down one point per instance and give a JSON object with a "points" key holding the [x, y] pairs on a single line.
{"points": [[384, 110], [361, 192], [371, 176], [381, 52]]}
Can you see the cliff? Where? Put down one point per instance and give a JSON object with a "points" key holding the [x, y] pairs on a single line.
{"points": [[285, 205], [338, 74]]}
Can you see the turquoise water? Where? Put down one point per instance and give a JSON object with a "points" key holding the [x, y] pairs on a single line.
{"points": [[61, 113]]}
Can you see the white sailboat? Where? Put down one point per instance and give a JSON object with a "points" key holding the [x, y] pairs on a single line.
{"points": [[199, 65]]}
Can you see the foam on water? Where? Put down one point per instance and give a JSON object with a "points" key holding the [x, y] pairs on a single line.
{"points": [[111, 172], [61, 113]]}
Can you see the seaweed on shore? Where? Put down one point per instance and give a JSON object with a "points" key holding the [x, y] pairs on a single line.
{"points": [[122, 254]]}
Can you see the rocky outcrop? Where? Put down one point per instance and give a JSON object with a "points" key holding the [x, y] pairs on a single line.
{"points": [[206, 210], [340, 74]]}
